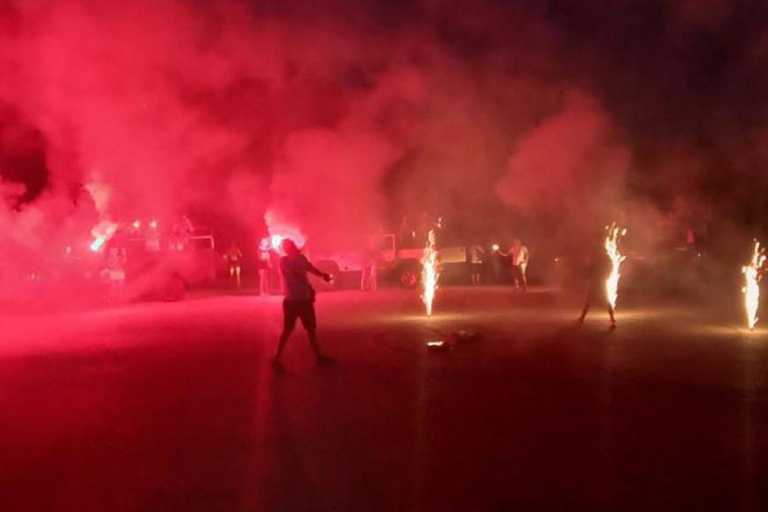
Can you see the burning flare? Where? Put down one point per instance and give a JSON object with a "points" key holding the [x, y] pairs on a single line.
{"points": [[102, 233], [614, 233], [429, 272], [751, 290]]}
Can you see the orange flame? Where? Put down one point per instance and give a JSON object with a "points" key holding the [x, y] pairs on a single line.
{"points": [[751, 289], [429, 272], [614, 233]]}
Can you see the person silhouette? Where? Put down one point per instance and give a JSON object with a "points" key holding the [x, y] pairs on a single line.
{"points": [[299, 301], [597, 271], [234, 257]]}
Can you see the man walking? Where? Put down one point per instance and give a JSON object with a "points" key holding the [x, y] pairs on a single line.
{"points": [[299, 302]]}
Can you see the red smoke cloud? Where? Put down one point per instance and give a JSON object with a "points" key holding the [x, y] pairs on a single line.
{"points": [[570, 162], [337, 122]]}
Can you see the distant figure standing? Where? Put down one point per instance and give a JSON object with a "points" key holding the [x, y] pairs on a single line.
{"points": [[116, 263], [181, 230], [519, 256], [234, 259], [369, 277], [265, 267], [476, 256], [598, 269], [299, 302]]}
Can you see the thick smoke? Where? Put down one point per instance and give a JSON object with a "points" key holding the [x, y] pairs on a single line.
{"points": [[338, 120], [570, 162]]}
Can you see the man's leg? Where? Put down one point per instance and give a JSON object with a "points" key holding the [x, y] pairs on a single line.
{"points": [[309, 321], [610, 314], [289, 322], [585, 310]]}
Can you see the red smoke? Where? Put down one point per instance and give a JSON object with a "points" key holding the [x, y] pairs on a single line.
{"points": [[570, 162], [336, 121]]}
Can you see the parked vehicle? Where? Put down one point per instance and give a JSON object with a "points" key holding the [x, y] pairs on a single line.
{"points": [[394, 264]]}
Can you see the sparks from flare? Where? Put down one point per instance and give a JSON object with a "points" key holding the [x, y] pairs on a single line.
{"points": [[751, 290], [429, 272], [614, 233]]}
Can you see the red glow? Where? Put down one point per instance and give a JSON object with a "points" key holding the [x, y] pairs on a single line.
{"points": [[280, 229]]}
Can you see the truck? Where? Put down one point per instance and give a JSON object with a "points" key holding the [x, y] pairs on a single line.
{"points": [[166, 270], [394, 264]]}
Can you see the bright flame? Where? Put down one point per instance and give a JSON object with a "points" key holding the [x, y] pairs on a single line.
{"points": [[153, 224], [429, 273], [282, 228], [751, 288], [137, 224], [101, 233], [97, 244], [495, 247], [612, 249]]}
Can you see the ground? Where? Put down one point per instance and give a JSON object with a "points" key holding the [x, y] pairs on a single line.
{"points": [[172, 407]]}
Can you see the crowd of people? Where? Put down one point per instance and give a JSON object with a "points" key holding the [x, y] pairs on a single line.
{"points": [[486, 266]]}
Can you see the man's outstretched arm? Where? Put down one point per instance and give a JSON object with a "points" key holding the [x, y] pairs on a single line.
{"points": [[319, 273]]}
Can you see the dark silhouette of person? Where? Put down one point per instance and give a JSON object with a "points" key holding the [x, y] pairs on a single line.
{"points": [[598, 268], [299, 301]]}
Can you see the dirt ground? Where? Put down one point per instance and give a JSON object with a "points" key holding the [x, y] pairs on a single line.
{"points": [[172, 407]]}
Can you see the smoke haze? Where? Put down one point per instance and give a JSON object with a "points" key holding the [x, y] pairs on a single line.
{"points": [[337, 120]]}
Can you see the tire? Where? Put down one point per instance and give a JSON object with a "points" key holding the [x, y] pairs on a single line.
{"points": [[409, 276]]}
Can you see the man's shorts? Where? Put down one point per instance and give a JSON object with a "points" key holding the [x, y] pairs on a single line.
{"points": [[299, 309]]}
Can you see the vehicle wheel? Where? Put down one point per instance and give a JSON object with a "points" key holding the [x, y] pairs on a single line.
{"points": [[409, 276]]}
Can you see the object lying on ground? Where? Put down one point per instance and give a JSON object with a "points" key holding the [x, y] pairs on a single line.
{"points": [[438, 346]]}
